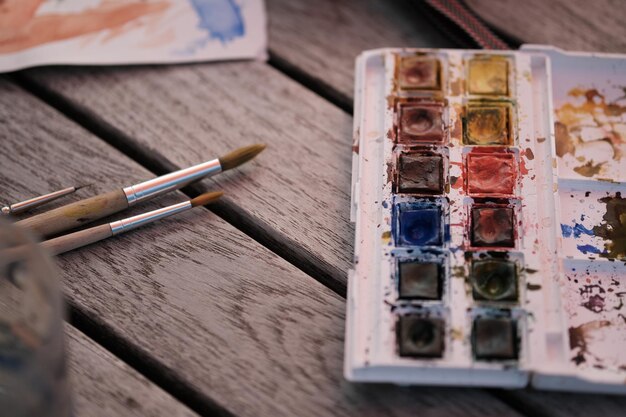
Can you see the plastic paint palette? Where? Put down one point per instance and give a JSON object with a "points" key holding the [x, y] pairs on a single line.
{"points": [[490, 223]]}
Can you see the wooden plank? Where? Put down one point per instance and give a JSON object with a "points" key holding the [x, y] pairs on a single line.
{"points": [[577, 25], [221, 314], [102, 385], [322, 38]]}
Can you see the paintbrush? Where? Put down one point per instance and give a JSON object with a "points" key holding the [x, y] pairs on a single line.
{"points": [[85, 211], [86, 237], [31, 203]]}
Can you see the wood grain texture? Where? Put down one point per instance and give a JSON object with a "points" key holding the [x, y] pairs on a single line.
{"points": [[576, 25], [216, 310], [78, 239], [323, 38], [76, 214], [299, 189], [103, 386], [191, 109]]}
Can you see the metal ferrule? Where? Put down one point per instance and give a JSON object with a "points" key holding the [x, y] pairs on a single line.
{"points": [[134, 222], [172, 181], [36, 201]]}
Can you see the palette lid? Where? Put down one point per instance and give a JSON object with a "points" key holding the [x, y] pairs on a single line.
{"points": [[589, 109]]}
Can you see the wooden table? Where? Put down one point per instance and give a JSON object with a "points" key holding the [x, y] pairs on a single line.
{"points": [[238, 310]]}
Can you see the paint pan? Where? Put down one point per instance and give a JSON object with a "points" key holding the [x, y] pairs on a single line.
{"points": [[494, 338], [488, 123], [490, 241], [492, 225], [421, 171], [494, 280], [419, 72], [420, 222], [491, 173], [421, 275], [488, 75], [420, 122], [420, 336]]}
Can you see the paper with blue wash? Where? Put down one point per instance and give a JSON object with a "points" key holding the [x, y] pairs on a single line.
{"points": [[42, 32]]}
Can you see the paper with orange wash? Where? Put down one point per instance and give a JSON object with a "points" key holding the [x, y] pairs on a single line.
{"points": [[42, 32]]}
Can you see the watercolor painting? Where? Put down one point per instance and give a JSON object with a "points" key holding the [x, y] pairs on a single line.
{"points": [[39, 32]]}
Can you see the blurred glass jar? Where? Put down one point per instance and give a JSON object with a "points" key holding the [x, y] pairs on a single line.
{"points": [[33, 368]]}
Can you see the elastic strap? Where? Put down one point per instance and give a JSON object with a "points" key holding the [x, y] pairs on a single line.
{"points": [[458, 13]]}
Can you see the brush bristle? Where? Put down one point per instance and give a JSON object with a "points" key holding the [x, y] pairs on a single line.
{"points": [[240, 156], [206, 198], [82, 186]]}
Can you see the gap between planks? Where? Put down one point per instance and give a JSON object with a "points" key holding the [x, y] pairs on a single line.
{"points": [[99, 378], [313, 83], [144, 364]]}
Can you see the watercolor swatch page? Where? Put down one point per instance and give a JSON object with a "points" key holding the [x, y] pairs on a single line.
{"points": [[489, 201], [42, 32]]}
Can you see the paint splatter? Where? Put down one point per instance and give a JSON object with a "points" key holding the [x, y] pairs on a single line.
{"points": [[456, 182], [391, 171], [391, 101], [579, 338], [529, 154], [613, 227], [588, 249], [522, 167], [593, 296], [564, 142], [589, 169], [577, 230], [457, 86]]}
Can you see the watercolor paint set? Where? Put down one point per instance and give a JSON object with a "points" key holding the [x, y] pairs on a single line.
{"points": [[490, 244]]}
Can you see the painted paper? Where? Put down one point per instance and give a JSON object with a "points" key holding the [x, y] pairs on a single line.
{"points": [[41, 32]]}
